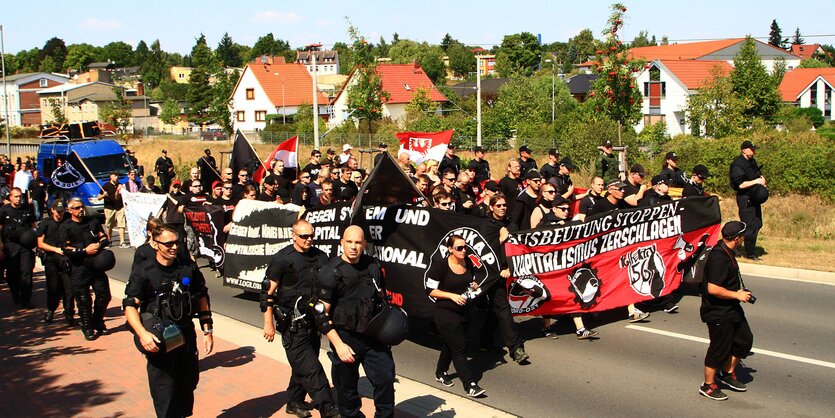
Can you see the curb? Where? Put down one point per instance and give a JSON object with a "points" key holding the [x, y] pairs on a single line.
{"points": [[785, 273]]}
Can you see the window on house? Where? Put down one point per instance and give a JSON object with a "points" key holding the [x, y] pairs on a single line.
{"points": [[652, 119], [181, 76], [44, 82], [813, 93], [827, 101], [260, 115], [240, 116], [250, 94]]}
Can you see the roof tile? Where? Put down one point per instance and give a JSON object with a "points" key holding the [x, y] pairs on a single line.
{"points": [[797, 80], [276, 75], [693, 74]]}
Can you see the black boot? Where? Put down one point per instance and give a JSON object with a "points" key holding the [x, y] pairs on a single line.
{"points": [[298, 409], [48, 317]]}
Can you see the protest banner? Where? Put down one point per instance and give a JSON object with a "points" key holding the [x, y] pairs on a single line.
{"points": [[258, 230], [609, 261], [329, 223], [138, 208], [207, 223]]}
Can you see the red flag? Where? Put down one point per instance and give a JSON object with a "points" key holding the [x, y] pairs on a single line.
{"points": [[422, 146], [286, 151]]}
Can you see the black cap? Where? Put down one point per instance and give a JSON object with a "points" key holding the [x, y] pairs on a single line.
{"points": [[747, 144], [554, 152], [58, 205], [671, 156], [533, 175], [658, 180], [606, 143], [383, 145], [524, 148], [207, 150], [616, 183], [567, 163], [701, 171], [330, 151], [127, 151], [637, 168], [733, 229], [450, 146], [478, 149], [492, 186], [271, 179], [164, 152]]}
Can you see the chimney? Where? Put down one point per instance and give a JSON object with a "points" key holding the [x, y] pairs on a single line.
{"points": [[140, 89]]}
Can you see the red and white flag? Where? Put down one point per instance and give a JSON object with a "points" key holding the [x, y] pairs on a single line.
{"points": [[422, 146], [286, 151]]}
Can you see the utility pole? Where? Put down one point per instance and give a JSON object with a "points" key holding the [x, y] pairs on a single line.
{"points": [[5, 92], [313, 48], [550, 61], [478, 93]]}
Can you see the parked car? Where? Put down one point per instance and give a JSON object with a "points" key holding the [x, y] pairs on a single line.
{"points": [[213, 135]]}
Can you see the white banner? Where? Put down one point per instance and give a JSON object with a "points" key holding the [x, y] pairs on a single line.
{"points": [[138, 208]]}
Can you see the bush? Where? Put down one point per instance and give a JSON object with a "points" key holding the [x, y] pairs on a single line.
{"points": [[814, 114], [24, 131]]}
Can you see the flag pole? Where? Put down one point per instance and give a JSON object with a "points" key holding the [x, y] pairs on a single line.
{"points": [[88, 170], [266, 170]]}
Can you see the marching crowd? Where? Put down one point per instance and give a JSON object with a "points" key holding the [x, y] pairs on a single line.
{"points": [[305, 294]]}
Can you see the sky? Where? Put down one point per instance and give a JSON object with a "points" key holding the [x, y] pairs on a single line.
{"points": [[178, 23]]}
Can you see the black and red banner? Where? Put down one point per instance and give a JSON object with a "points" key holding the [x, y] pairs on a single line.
{"points": [[609, 261], [207, 223]]}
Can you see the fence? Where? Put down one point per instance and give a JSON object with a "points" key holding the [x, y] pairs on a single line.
{"points": [[23, 149], [365, 140]]}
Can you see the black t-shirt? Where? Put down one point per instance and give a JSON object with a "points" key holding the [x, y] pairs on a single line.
{"points": [[80, 235], [482, 210], [651, 197], [588, 202], [510, 189], [264, 197], [50, 231], [522, 211], [14, 219], [630, 189], [721, 270], [441, 277], [527, 165], [482, 170], [561, 183], [604, 205], [453, 162], [674, 176], [693, 189], [37, 189], [112, 199], [154, 190], [743, 170], [283, 189], [547, 171], [149, 276], [313, 169], [344, 191], [288, 267]]}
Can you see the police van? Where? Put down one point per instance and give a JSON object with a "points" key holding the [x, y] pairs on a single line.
{"points": [[76, 159]]}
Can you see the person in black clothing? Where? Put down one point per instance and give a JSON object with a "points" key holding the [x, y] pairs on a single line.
{"points": [[450, 160], [750, 186], [482, 209], [134, 163], [81, 238], [671, 173], [552, 166], [268, 194], [448, 179], [658, 193], [114, 208], [635, 188], [313, 166], [696, 184], [16, 221], [526, 201], [172, 375], [289, 287], [452, 284], [37, 194], [526, 163], [344, 189], [300, 191], [56, 266], [594, 194], [482, 166], [217, 191], [546, 203], [384, 148], [208, 169], [562, 179], [345, 281], [612, 201], [150, 186], [511, 184], [330, 157], [325, 198], [164, 168], [730, 336]]}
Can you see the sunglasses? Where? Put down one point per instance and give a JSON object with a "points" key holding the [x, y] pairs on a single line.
{"points": [[73, 208], [227, 188], [500, 205], [305, 236], [443, 204], [450, 179], [460, 248], [167, 244], [563, 208], [241, 175], [549, 191]]}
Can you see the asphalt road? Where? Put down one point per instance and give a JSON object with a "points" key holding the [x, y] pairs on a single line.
{"points": [[648, 370]]}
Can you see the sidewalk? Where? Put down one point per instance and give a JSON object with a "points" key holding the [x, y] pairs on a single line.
{"points": [[50, 370]]}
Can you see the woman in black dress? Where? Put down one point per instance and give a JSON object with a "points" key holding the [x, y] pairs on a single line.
{"points": [[449, 283]]}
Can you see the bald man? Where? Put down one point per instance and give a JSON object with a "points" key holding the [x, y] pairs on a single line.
{"points": [[345, 281]]}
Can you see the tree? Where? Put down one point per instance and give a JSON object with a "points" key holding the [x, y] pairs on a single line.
{"points": [[140, 54], [170, 112], [11, 63], [56, 49], [462, 60], [153, 68], [222, 98], [120, 53], [716, 107], [428, 56], [79, 56], [48, 65], [797, 39], [117, 112], [775, 37], [446, 42], [366, 96], [665, 40], [346, 63], [615, 92], [228, 52], [584, 43], [420, 105], [57, 108], [518, 54], [752, 82], [812, 63], [199, 94], [268, 45], [27, 60], [642, 39], [383, 48]]}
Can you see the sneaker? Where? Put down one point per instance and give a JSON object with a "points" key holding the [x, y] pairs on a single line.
{"points": [[712, 391], [585, 334], [444, 379], [550, 332], [732, 382], [474, 391], [519, 355], [89, 334], [299, 410], [671, 309], [638, 316]]}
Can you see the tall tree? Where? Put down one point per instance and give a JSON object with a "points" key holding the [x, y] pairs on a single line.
{"points": [[117, 112], [428, 56], [56, 49], [346, 62], [228, 52], [221, 99], [585, 44], [170, 112], [79, 56], [518, 54], [446, 42], [462, 60], [27, 60], [365, 97], [615, 92], [268, 45], [383, 49], [48, 65], [153, 68], [752, 82], [118, 52], [200, 93], [140, 54], [775, 37], [797, 39], [642, 39], [11, 63]]}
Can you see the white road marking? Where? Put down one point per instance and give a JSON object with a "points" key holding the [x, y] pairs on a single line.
{"points": [[755, 350]]}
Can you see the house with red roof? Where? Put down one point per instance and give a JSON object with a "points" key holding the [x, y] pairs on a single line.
{"points": [[401, 81], [809, 87], [270, 86], [809, 51]]}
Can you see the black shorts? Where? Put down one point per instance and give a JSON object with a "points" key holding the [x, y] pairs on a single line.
{"points": [[727, 338]]}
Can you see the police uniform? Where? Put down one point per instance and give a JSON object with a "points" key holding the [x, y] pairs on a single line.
{"points": [[172, 376], [296, 274], [56, 270], [750, 211], [606, 166], [350, 289], [75, 237], [19, 260]]}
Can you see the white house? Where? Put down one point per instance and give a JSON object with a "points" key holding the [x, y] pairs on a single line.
{"points": [[23, 100], [810, 87], [401, 81], [327, 62], [268, 85]]}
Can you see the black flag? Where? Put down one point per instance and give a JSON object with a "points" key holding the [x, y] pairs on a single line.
{"points": [[243, 155], [387, 185]]}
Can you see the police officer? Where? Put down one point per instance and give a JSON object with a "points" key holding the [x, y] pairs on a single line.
{"points": [[172, 375], [164, 168], [606, 165], [292, 273], [16, 222], [83, 237], [56, 266], [347, 284], [751, 192]]}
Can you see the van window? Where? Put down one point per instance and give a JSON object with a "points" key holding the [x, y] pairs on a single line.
{"points": [[48, 167], [102, 165]]}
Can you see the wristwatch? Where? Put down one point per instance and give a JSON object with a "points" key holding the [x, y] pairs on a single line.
{"points": [[208, 331]]}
